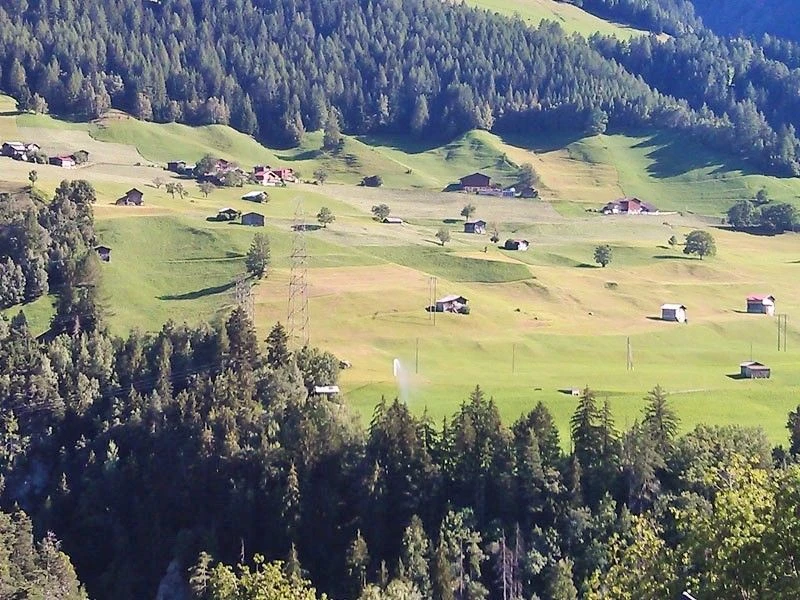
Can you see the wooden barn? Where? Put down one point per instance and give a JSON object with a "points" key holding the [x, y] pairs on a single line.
{"points": [[475, 227], [761, 304], [452, 303], [754, 370], [516, 245], [132, 197], [393, 220], [253, 219], [475, 182], [66, 162], [176, 166], [673, 312]]}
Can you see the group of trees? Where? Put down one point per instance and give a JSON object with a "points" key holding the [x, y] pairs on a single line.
{"points": [[698, 242], [43, 242], [763, 215], [30, 569], [289, 66]]}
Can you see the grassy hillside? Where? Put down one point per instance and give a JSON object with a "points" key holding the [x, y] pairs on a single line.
{"points": [[570, 17], [541, 321], [674, 173]]}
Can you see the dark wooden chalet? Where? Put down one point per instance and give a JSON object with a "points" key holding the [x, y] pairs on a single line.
{"points": [[253, 219], [475, 182], [132, 197], [475, 227]]}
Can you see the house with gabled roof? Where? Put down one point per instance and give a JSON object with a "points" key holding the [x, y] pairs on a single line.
{"points": [[132, 197]]}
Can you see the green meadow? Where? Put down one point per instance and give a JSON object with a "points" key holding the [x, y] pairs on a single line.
{"points": [[571, 18], [541, 322]]}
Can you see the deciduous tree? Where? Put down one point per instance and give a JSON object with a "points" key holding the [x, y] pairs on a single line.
{"points": [[603, 255], [325, 216], [700, 243], [380, 211]]}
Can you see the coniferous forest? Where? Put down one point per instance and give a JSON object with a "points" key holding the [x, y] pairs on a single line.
{"points": [[275, 68]]}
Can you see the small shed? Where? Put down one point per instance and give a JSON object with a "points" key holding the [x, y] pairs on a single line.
{"points": [[475, 227], [393, 220], [104, 252], [132, 197], [62, 161], [516, 245], [253, 219], [754, 370], [673, 312], [176, 166], [254, 196], [452, 303], [761, 304]]}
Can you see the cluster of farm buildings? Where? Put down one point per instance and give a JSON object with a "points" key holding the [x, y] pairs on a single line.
{"points": [[221, 169], [32, 152], [481, 184]]}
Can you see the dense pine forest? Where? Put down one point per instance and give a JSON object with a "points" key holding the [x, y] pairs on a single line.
{"points": [[275, 68]]}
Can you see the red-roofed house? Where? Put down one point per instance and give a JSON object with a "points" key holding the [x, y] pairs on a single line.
{"points": [[761, 304], [286, 174], [629, 206]]}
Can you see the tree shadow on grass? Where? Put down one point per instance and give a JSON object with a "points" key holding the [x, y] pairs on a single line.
{"points": [[452, 221], [586, 266], [672, 257], [670, 157], [406, 144], [306, 155], [541, 142], [757, 231], [215, 289]]}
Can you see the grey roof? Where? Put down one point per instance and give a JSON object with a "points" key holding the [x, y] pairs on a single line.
{"points": [[451, 298]]}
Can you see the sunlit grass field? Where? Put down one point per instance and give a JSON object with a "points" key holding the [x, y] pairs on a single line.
{"points": [[541, 321]]}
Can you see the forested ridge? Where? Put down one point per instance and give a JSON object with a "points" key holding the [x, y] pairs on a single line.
{"points": [[274, 68]]}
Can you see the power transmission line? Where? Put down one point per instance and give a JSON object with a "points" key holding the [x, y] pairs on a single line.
{"points": [[298, 318]]}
